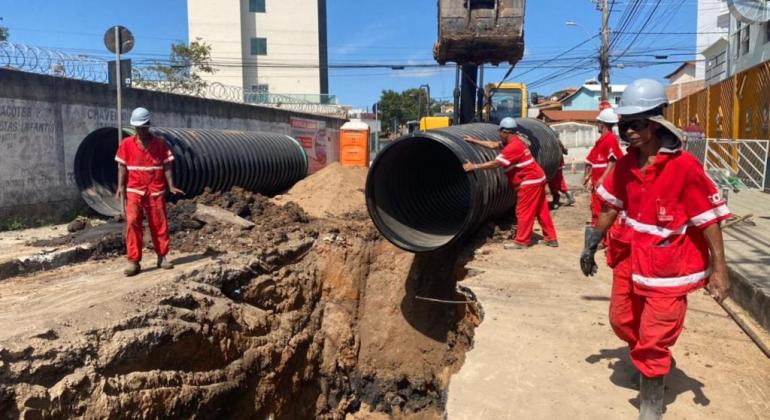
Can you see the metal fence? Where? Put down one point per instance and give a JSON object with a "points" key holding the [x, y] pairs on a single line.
{"points": [[746, 159]]}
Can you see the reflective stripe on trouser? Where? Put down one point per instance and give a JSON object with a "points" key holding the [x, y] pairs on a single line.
{"points": [[531, 204], [650, 325], [155, 209], [557, 184]]}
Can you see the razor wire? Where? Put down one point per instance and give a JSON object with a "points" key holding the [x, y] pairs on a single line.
{"points": [[57, 63], [52, 62]]}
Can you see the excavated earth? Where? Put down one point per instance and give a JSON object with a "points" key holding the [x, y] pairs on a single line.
{"points": [[297, 317]]}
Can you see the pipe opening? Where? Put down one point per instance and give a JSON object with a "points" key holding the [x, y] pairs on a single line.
{"points": [[96, 173], [420, 194]]}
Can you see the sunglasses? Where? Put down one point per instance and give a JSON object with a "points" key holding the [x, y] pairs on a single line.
{"points": [[636, 125]]}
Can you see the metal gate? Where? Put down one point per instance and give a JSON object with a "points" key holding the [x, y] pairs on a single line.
{"points": [[745, 159]]}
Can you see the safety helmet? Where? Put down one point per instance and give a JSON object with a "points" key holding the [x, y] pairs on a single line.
{"points": [[508, 124], [641, 96], [608, 116], [140, 117]]}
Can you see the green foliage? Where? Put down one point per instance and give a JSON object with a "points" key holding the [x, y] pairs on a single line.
{"points": [[183, 73], [402, 107], [3, 32]]}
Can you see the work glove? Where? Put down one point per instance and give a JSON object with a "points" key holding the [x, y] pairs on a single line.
{"points": [[587, 260]]}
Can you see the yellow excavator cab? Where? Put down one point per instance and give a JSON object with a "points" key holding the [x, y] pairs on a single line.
{"points": [[509, 100]]}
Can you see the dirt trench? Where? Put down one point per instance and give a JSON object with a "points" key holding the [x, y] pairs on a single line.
{"points": [[296, 318]]}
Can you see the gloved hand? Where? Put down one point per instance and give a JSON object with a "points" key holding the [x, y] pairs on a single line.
{"points": [[587, 261]]}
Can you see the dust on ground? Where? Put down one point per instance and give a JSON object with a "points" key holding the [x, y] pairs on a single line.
{"points": [[297, 317]]}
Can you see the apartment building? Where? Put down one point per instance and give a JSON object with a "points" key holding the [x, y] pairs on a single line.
{"points": [[265, 46]]}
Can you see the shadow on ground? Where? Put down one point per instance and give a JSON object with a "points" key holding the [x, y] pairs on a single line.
{"points": [[677, 381]]}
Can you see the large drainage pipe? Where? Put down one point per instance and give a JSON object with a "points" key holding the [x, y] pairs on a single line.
{"points": [[421, 200], [260, 162]]}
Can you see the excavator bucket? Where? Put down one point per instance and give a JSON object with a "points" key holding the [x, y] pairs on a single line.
{"points": [[480, 31]]}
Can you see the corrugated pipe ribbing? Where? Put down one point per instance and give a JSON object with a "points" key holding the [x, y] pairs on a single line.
{"points": [[421, 200], [265, 163]]}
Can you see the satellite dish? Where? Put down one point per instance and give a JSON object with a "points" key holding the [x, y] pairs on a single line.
{"points": [[750, 11]]}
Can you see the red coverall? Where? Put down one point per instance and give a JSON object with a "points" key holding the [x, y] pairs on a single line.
{"points": [[145, 190], [658, 251], [527, 178], [558, 184], [605, 149]]}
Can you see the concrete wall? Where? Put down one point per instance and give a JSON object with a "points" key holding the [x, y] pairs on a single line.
{"points": [[291, 28], [43, 119]]}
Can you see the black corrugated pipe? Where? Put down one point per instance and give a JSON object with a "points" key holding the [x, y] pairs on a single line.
{"points": [[266, 163], [420, 198]]}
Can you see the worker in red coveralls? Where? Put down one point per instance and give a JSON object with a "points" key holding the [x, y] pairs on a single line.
{"points": [[672, 211], [144, 173], [558, 184], [601, 159], [526, 177]]}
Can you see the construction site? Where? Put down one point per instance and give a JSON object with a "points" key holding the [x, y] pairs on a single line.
{"points": [[310, 271]]}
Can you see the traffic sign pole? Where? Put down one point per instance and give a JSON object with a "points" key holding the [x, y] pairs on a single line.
{"points": [[119, 78]]}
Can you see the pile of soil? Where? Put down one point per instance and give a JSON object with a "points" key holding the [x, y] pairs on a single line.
{"points": [[335, 191], [298, 317]]}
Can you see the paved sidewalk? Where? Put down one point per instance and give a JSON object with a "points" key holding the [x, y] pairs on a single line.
{"points": [[747, 247]]}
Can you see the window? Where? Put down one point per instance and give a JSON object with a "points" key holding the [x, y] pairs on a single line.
{"points": [[767, 31], [261, 88], [257, 6], [258, 46], [745, 39]]}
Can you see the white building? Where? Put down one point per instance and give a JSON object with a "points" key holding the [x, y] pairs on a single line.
{"points": [[713, 24], [275, 46]]}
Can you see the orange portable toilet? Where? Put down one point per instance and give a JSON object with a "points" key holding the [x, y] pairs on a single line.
{"points": [[354, 143]]}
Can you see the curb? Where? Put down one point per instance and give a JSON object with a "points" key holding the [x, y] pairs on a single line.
{"points": [[753, 298]]}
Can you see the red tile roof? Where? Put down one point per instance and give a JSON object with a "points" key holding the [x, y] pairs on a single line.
{"points": [[563, 116]]}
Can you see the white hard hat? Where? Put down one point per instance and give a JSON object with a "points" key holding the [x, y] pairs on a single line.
{"points": [[641, 96], [140, 117], [608, 116], [508, 124]]}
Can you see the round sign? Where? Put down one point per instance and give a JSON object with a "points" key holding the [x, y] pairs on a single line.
{"points": [[125, 36]]}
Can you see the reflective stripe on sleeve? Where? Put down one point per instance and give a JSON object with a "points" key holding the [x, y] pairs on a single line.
{"points": [[671, 281], [169, 159], [710, 215], [606, 196], [119, 160], [503, 160]]}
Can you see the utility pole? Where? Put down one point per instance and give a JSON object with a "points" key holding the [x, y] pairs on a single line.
{"points": [[604, 59]]}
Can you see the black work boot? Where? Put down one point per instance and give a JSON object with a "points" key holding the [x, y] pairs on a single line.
{"points": [[164, 263], [132, 269], [651, 398]]}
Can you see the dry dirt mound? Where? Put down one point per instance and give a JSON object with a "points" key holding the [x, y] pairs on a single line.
{"points": [[335, 191], [297, 318]]}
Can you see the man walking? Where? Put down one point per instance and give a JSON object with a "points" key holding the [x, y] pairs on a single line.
{"points": [[601, 159], [526, 177], [558, 184], [674, 243], [144, 173]]}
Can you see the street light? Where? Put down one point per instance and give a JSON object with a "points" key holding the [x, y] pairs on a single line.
{"points": [[574, 24]]}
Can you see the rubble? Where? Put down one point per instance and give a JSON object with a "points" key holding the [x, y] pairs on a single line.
{"points": [[297, 317]]}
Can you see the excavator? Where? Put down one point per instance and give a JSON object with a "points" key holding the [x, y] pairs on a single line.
{"points": [[472, 33]]}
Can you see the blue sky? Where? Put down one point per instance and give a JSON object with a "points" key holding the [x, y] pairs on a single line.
{"points": [[376, 31]]}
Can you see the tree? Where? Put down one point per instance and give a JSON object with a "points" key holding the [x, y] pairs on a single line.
{"points": [[402, 107], [183, 73], [3, 32]]}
